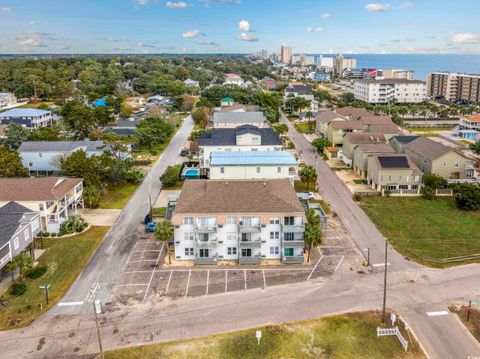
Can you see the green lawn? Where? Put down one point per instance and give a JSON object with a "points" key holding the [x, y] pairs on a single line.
{"points": [[428, 129], [302, 186], [423, 230], [358, 181], [116, 196], [38, 104], [338, 337], [304, 127], [65, 258], [160, 212]]}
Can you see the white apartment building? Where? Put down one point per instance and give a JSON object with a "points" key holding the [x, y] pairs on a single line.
{"points": [[253, 165], [244, 222], [383, 91], [342, 64], [233, 79], [244, 138], [471, 123]]}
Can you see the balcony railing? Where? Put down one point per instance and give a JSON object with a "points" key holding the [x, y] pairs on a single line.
{"points": [[205, 244], [293, 228], [204, 228], [294, 242], [206, 260], [256, 259], [293, 259], [249, 228], [257, 242]]}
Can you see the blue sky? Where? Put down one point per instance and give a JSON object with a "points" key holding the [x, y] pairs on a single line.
{"points": [[233, 26]]}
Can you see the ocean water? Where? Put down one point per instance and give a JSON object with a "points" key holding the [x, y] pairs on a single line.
{"points": [[422, 64]]}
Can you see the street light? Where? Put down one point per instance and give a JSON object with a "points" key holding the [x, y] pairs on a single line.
{"points": [[385, 284], [367, 252]]}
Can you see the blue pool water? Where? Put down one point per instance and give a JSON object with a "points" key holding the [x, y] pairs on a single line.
{"points": [[192, 173]]}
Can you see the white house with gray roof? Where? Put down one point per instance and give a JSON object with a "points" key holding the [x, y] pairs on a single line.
{"points": [[43, 157], [7, 100], [27, 117], [18, 228], [244, 138], [235, 119]]}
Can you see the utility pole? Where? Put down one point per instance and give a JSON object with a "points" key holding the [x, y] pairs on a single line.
{"points": [[150, 191], [385, 284], [98, 332]]}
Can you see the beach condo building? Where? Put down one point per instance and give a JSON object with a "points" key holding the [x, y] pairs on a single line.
{"points": [[384, 91], [240, 222]]}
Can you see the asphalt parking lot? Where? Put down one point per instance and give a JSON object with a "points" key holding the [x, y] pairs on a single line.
{"points": [[145, 277]]}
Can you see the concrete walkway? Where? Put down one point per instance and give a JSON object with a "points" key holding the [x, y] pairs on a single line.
{"points": [[100, 217]]}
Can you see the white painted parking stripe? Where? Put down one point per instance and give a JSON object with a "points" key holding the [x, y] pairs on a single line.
{"points": [[245, 278], [147, 250], [339, 263], [131, 285], [316, 265], [226, 281], [64, 304], [208, 279], [380, 265], [168, 283], [264, 281], [188, 282], [436, 314], [91, 294], [153, 272], [142, 260]]}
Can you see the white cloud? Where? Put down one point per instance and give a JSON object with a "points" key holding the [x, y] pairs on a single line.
{"points": [[208, 43], [245, 36], [395, 40], [315, 29], [325, 15], [406, 5], [377, 7], [191, 33], [5, 9], [32, 22], [244, 26], [176, 5], [466, 38]]}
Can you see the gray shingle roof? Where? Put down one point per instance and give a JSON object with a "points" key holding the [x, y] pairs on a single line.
{"points": [[228, 136], [326, 116], [11, 216], [404, 139], [239, 117], [428, 148], [60, 146]]}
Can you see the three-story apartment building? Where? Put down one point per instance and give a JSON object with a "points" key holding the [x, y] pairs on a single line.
{"points": [[245, 222]]}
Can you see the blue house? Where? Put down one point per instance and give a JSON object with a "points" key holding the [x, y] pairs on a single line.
{"points": [[27, 117]]}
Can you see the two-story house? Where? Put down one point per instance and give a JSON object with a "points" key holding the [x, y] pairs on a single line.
{"points": [[363, 152], [434, 158], [336, 130], [245, 222], [234, 119], [394, 172], [18, 228], [243, 138], [252, 165], [323, 118], [27, 117], [398, 143], [55, 198], [353, 139]]}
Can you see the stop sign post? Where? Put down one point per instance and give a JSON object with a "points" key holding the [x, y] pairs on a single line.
{"points": [[469, 309]]}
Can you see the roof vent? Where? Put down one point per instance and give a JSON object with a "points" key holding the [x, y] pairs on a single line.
{"points": [[226, 183], [264, 184]]}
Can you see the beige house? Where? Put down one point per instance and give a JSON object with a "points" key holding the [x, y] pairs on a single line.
{"points": [[55, 198], [399, 142], [238, 221], [433, 158], [388, 130], [352, 113], [353, 139], [394, 173], [363, 152], [323, 118], [336, 130]]}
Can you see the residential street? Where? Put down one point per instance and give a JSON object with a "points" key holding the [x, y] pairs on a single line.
{"points": [[96, 279], [338, 196]]}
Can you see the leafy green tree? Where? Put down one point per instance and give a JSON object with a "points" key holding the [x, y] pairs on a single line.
{"points": [[320, 144], [280, 128], [91, 196], [15, 135], [44, 134], [475, 147], [11, 164], [82, 120], [313, 231], [435, 182], [467, 196], [24, 263], [308, 175], [200, 116], [12, 266], [164, 233], [153, 131], [295, 104], [170, 177], [74, 224], [347, 97], [78, 164]]}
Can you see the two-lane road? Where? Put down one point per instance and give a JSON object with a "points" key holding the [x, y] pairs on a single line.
{"points": [[97, 277], [339, 197]]}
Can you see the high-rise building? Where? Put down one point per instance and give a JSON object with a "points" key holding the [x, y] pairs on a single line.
{"points": [[342, 64], [454, 86], [286, 54], [398, 74], [383, 91]]}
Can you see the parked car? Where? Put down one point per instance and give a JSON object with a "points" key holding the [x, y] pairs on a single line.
{"points": [[308, 195], [150, 227], [184, 152]]}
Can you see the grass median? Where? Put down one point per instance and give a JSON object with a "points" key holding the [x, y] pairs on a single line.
{"points": [[116, 196], [336, 337], [65, 259], [427, 231]]}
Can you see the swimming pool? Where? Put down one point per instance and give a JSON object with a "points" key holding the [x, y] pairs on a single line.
{"points": [[192, 173]]}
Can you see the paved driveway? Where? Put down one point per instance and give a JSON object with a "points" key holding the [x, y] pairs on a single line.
{"points": [[100, 217]]}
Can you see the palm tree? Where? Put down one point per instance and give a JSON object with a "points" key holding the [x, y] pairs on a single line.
{"points": [[475, 147], [12, 266], [313, 231], [308, 175], [164, 232]]}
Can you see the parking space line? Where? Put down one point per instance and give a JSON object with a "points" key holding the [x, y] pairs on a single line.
{"points": [[208, 279], [131, 285], [226, 281], [147, 250], [143, 260], [338, 265], [316, 265], [168, 283], [245, 278], [188, 282], [153, 273], [264, 281]]}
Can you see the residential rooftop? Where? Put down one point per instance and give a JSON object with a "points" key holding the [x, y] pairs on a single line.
{"points": [[24, 112], [327, 116], [356, 137], [390, 81], [235, 196], [375, 148], [228, 136], [239, 117], [61, 146], [397, 161], [404, 139], [428, 148], [36, 189], [12, 215], [355, 112], [252, 158], [347, 125]]}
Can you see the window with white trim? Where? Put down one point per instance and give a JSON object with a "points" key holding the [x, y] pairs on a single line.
{"points": [[274, 250], [231, 220], [231, 236], [26, 235], [274, 235], [189, 252], [232, 251], [275, 220], [15, 243], [187, 220], [188, 236]]}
